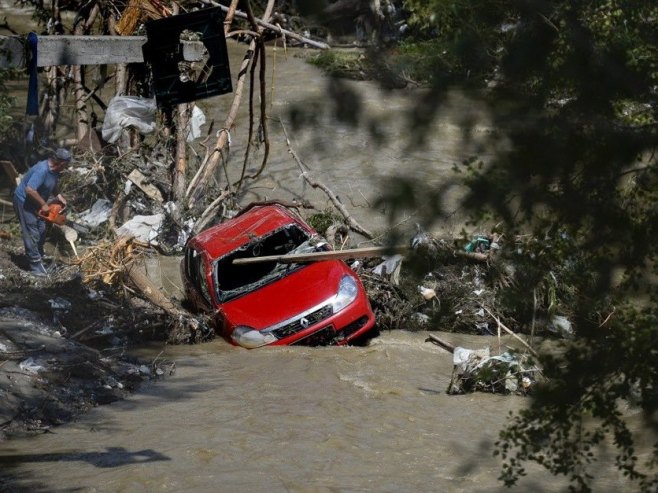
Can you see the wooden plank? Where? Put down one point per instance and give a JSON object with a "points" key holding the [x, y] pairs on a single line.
{"points": [[346, 254], [376, 251], [150, 190], [89, 50]]}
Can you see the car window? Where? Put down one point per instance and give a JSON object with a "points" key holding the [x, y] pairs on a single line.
{"points": [[235, 280]]}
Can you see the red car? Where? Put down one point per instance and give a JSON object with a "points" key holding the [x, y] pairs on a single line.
{"points": [[273, 303]]}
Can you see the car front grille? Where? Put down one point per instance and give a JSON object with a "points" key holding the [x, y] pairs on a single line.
{"points": [[302, 323], [326, 336]]}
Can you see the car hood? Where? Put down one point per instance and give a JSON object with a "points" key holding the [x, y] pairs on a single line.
{"points": [[287, 297]]}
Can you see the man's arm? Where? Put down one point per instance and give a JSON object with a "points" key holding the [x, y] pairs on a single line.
{"points": [[34, 195]]}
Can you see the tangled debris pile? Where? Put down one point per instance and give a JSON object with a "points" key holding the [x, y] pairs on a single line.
{"points": [[471, 286]]}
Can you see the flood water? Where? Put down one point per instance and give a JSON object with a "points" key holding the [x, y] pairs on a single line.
{"points": [[359, 419], [373, 418]]}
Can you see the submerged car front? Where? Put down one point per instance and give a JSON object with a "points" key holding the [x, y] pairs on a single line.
{"points": [[321, 303]]}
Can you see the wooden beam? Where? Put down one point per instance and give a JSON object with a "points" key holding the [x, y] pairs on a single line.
{"points": [[376, 251], [86, 50]]}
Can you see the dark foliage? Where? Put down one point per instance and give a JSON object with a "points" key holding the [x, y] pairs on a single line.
{"points": [[572, 87]]}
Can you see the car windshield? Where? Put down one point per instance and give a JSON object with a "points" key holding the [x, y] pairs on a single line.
{"points": [[232, 280]]}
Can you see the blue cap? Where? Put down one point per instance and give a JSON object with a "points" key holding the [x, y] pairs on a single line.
{"points": [[62, 154]]}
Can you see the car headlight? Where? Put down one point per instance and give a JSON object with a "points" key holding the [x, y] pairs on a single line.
{"points": [[250, 338], [347, 292]]}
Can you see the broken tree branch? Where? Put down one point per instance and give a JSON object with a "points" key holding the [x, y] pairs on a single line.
{"points": [[509, 331], [273, 27], [351, 222], [210, 210], [440, 342]]}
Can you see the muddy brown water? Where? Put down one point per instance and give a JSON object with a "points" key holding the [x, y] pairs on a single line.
{"points": [[359, 419]]}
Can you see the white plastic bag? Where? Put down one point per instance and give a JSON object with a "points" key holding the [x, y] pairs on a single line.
{"points": [[128, 111], [197, 119]]}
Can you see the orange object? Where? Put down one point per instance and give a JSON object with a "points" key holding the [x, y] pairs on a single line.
{"points": [[54, 214]]}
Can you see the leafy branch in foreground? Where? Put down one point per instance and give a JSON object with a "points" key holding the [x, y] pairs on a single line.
{"points": [[571, 87]]}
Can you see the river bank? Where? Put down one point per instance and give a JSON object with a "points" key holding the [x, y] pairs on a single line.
{"points": [[64, 347]]}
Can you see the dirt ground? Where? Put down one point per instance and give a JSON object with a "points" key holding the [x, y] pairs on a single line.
{"points": [[64, 346]]}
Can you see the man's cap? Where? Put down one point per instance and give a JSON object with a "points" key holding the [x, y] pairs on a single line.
{"points": [[62, 154]]}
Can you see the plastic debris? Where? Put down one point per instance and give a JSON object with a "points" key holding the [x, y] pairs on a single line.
{"points": [[427, 293], [420, 318], [197, 119], [479, 243], [98, 214], [143, 228], [128, 111], [31, 366], [476, 369], [390, 268], [59, 304], [562, 325]]}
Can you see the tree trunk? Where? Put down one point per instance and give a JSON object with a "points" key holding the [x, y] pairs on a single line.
{"points": [[78, 78], [180, 166]]}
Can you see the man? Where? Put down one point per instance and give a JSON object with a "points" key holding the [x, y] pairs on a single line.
{"points": [[31, 197]]}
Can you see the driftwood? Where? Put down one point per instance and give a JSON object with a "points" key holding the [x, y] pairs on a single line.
{"points": [[119, 263], [151, 191], [79, 91], [210, 211], [139, 10], [182, 125], [440, 342]]}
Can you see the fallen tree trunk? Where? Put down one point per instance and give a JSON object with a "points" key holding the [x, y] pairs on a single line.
{"points": [[186, 328]]}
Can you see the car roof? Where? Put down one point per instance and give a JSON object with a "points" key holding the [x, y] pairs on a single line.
{"points": [[256, 221]]}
